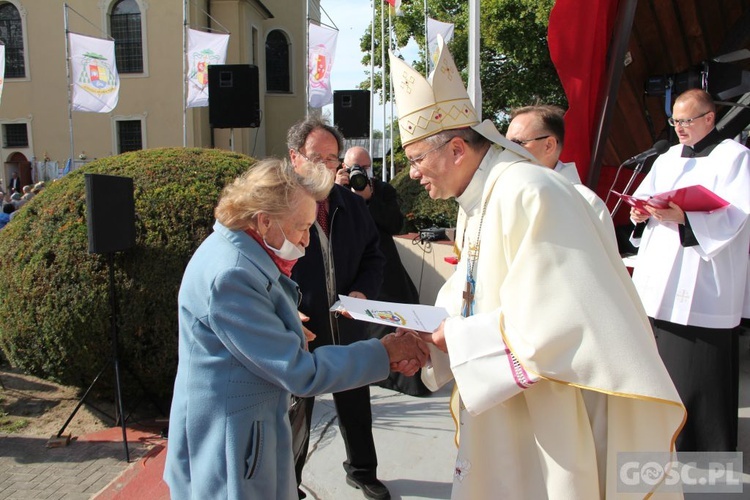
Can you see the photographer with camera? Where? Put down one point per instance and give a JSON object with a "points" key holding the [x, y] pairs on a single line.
{"points": [[382, 202], [356, 176]]}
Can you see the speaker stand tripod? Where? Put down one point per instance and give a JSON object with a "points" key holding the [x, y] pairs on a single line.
{"points": [[114, 360]]}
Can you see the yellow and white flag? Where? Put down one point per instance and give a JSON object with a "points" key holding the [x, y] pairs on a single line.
{"points": [[203, 49], [322, 50], [2, 69], [96, 83], [435, 28]]}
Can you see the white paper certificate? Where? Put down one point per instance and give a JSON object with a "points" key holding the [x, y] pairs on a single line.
{"points": [[413, 316]]}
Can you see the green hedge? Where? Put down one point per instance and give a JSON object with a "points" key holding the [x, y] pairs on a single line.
{"points": [[54, 303], [419, 209]]}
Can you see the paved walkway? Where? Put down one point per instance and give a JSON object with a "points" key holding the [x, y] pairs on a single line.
{"points": [[28, 469], [413, 436]]}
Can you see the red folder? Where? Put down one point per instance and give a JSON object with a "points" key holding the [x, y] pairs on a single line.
{"points": [[689, 199]]}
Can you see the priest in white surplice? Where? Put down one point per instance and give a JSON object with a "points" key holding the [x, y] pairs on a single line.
{"points": [[691, 271], [554, 362]]}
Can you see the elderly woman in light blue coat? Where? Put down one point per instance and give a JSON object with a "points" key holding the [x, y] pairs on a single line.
{"points": [[242, 350]]}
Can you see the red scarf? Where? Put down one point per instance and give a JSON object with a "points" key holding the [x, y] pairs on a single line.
{"points": [[285, 266]]}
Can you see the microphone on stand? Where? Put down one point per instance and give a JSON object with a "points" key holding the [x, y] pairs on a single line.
{"points": [[660, 147]]}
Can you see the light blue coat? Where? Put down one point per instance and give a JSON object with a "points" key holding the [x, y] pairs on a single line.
{"points": [[241, 354]]}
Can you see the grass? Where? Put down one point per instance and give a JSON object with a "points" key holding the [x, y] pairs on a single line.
{"points": [[10, 424]]}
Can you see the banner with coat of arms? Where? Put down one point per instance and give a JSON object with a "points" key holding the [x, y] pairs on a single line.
{"points": [[96, 83], [203, 49], [321, 51]]}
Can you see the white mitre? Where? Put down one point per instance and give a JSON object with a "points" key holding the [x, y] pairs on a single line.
{"points": [[428, 106]]}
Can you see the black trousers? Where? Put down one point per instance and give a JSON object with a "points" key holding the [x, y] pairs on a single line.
{"points": [[704, 366], [355, 423]]}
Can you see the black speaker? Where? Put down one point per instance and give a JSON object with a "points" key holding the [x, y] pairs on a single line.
{"points": [[110, 213], [233, 100], [351, 112]]}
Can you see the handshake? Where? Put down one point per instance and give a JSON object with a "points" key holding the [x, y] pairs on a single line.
{"points": [[406, 351]]}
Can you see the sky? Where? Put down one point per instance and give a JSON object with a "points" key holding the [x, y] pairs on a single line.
{"points": [[352, 17]]}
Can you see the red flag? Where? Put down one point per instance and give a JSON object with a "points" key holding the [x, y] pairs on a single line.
{"points": [[578, 36], [395, 5]]}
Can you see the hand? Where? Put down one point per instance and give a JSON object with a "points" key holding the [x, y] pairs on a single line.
{"points": [[366, 193], [437, 338], [407, 367], [637, 216], [672, 214], [406, 352], [309, 335], [342, 177], [354, 294]]}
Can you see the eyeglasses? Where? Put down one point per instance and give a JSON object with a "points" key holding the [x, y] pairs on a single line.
{"points": [[330, 162], [523, 142], [685, 122], [415, 162]]}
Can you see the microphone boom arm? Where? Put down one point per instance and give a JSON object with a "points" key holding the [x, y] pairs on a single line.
{"points": [[636, 171]]}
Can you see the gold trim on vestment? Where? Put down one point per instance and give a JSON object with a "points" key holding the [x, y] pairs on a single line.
{"points": [[456, 417], [672, 446]]}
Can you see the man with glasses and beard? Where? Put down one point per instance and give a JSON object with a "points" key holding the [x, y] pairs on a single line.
{"points": [[691, 271], [554, 363]]}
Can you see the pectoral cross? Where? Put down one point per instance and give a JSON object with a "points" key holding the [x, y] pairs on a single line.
{"points": [[468, 296]]}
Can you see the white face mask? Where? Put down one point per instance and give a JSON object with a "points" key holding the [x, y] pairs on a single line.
{"points": [[288, 250]]}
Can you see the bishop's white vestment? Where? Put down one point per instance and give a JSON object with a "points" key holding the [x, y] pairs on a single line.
{"points": [[556, 368]]}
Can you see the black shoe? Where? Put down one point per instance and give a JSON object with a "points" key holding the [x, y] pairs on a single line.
{"points": [[301, 494], [372, 488]]}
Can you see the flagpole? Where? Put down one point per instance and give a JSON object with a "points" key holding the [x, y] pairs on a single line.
{"points": [[390, 90], [307, 58], [67, 74], [184, 72], [382, 86], [426, 44], [372, 79], [475, 85]]}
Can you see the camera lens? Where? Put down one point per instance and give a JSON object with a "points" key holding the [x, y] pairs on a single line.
{"points": [[358, 178]]}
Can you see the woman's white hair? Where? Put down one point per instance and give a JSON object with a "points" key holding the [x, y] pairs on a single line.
{"points": [[271, 186]]}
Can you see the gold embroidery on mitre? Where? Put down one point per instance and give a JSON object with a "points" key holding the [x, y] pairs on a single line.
{"points": [[406, 82], [447, 70]]}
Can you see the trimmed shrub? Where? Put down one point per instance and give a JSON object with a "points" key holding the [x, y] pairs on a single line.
{"points": [[54, 304]]}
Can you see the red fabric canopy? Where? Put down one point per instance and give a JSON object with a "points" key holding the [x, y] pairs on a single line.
{"points": [[579, 36]]}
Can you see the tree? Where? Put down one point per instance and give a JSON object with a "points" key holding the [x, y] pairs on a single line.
{"points": [[516, 68]]}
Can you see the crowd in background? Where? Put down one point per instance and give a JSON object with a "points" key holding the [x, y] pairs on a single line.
{"points": [[15, 197]]}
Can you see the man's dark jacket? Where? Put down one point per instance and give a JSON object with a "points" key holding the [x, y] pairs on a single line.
{"points": [[358, 265]]}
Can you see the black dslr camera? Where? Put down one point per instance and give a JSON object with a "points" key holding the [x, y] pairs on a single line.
{"points": [[358, 179]]}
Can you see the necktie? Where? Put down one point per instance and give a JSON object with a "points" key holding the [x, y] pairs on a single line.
{"points": [[322, 216]]}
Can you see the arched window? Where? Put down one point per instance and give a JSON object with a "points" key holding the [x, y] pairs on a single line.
{"points": [[125, 28], [11, 34], [277, 62]]}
